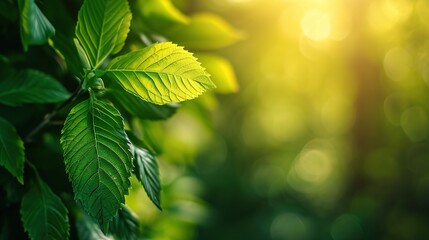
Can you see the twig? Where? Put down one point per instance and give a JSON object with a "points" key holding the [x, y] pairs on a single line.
{"points": [[48, 117]]}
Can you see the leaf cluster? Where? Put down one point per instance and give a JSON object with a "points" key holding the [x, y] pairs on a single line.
{"points": [[99, 154]]}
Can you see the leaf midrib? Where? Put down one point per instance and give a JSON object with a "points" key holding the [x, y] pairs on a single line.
{"points": [[92, 98]]}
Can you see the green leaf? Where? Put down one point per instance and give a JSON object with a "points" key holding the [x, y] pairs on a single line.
{"points": [[66, 49], [97, 158], [204, 32], [43, 213], [146, 170], [102, 28], [221, 72], [11, 150], [88, 229], [142, 109], [160, 15], [161, 73], [31, 86], [125, 225], [35, 27]]}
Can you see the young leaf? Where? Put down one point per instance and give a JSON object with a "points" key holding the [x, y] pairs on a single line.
{"points": [[87, 229], [102, 28], [31, 86], [146, 170], [221, 72], [11, 150], [97, 158], [161, 15], [142, 109], [204, 32], [43, 213], [35, 27], [161, 73], [125, 225]]}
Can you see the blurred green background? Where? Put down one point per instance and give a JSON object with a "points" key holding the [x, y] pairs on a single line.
{"points": [[327, 137]]}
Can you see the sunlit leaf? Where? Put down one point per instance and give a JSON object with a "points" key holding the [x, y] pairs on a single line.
{"points": [[35, 27], [204, 31], [43, 213], [161, 73], [125, 225], [142, 109], [97, 158], [102, 28], [146, 170], [221, 72], [161, 15], [31, 86], [11, 150]]}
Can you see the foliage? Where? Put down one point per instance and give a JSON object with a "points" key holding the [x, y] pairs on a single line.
{"points": [[98, 136]]}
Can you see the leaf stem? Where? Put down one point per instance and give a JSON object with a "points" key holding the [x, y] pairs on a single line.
{"points": [[48, 117]]}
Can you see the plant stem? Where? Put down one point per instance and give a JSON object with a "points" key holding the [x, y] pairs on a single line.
{"points": [[48, 117]]}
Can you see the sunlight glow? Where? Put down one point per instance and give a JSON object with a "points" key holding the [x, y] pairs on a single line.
{"points": [[316, 25]]}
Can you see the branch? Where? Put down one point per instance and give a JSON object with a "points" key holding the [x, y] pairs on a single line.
{"points": [[48, 117]]}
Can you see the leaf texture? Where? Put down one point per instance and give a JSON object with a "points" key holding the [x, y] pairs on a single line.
{"points": [[125, 225], [142, 109], [102, 28], [161, 73], [35, 27], [146, 170], [43, 213], [31, 86], [97, 158], [11, 150]]}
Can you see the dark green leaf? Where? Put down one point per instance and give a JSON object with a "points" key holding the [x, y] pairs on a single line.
{"points": [[43, 213], [125, 225], [31, 86], [146, 170], [88, 229], [161, 73], [102, 28], [11, 150], [97, 158], [35, 27]]}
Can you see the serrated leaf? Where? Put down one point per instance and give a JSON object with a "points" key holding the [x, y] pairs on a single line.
{"points": [[160, 15], [205, 31], [125, 225], [142, 109], [88, 229], [97, 158], [146, 171], [221, 72], [43, 214], [35, 27], [31, 86], [161, 73], [102, 28], [11, 150]]}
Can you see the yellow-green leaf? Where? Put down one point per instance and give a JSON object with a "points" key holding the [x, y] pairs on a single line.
{"points": [[221, 72], [161, 73], [205, 31]]}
